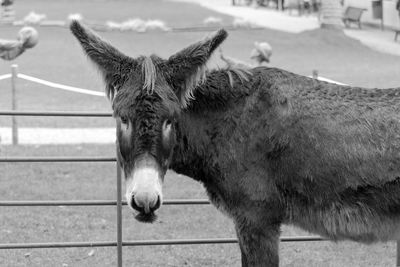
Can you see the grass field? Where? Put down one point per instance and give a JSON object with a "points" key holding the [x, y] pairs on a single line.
{"points": [[58, 58], [67, 181]]}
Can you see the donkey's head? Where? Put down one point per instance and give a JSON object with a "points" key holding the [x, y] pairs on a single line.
{"points": [[147, 95]]}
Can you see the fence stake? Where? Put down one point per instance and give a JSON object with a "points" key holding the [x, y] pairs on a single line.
{"points": [[280, 5], [315, 74], [119, 214], [14, 124]]}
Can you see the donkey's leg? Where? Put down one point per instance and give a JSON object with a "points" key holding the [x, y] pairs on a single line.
{"points": [[259, 246], [242, 249]]}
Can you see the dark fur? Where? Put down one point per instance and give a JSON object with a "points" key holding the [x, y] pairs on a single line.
{"points": [[279, 148]]}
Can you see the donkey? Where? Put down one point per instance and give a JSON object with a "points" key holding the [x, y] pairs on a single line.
{"points": [[269, 146]]}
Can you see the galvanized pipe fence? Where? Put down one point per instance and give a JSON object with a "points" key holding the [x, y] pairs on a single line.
{"points": [[119, 243]]}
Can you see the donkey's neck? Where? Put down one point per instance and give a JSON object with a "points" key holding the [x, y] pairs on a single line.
{"points": [[204, 125], [193, 155]]}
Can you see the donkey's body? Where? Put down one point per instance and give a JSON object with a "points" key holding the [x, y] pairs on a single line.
{"points": [[288, 149], [270, 147]]}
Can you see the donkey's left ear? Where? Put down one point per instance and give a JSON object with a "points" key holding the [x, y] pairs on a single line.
{"points": [[187, 68], [111, 62]]}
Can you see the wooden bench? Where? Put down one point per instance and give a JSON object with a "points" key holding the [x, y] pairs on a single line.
{"points": [[353, 14]]}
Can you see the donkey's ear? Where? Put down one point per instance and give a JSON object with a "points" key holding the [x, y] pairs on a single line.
{"points": [[111, 62], [187, 68]]}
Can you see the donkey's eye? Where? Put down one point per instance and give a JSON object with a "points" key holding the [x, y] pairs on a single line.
{"points": [[168, 122], [124, 120], [166, 130]]}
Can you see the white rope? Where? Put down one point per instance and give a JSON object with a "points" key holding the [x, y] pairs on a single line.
{"points": [[328, 80], [95, 93], [5, 76], [60, 86]]}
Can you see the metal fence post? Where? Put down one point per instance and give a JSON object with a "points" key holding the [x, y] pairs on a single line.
{"points": [[280, 5], [315, 74], [14, 124], [119, 215]]}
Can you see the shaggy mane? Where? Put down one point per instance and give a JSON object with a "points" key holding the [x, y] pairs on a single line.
{"points": [[242, 73], [149, 73]]}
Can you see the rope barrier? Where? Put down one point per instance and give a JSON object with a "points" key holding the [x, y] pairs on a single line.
{"points": [[60, 86], [5, 76], [319, 78], [96, 93]]}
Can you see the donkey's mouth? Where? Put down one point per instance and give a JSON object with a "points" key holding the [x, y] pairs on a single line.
{"points": [[146, 217], [142, 215]]}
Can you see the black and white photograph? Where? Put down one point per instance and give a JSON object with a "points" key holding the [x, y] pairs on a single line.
{"points": [[215, 133]]}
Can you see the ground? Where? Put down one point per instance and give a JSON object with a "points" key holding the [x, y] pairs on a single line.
{"points": [[58, 58]]}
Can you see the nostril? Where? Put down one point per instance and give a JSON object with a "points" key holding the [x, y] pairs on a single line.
{"points": [[158, 204], [134, 205]]}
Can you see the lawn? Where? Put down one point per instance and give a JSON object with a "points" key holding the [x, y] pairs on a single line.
{"points": [[58, 58]]}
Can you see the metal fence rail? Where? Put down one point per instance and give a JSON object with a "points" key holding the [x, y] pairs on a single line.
{"points": [[118, 203], [137, 243], [59, 159], [32, 113], [19, 203]]}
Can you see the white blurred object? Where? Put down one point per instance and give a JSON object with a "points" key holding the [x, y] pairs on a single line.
{"points": [[28, 36], [261, 53], [75, 16], [241, 23], [156, 25], [113, 25], [212, 21], [91, 253], [133, 25], [137, 25], [34, 18]]}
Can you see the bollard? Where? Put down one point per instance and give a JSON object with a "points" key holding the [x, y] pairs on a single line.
{"points": [[14, 124], [315, 74]]}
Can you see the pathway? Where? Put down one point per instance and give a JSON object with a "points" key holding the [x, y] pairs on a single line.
{"points": [[374, 38], [51, 136], [281, 21]]}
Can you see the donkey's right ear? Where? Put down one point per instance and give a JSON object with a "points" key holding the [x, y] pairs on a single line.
{"points": [[187, 68], [111, 62]]}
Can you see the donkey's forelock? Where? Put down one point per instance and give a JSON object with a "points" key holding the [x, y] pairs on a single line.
{"points": [[149, 73]]}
